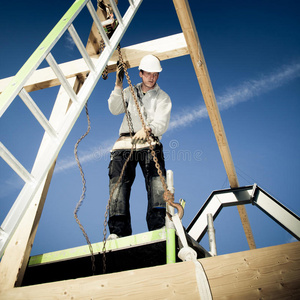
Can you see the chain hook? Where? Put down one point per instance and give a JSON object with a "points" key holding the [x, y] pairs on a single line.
{"points": [[169, 198]]}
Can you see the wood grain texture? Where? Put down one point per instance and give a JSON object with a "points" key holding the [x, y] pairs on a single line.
{"points": [[267, 273]]}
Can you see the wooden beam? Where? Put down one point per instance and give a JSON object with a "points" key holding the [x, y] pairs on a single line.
{"points": [[45, 78], [188, 27], [165, 48], [268, 273]]}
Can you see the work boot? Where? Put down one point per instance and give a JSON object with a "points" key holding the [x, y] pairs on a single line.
{"points": [[112, 236]]}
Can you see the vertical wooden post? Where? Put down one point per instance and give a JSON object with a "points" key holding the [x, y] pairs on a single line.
{"points": [[189, 30]]}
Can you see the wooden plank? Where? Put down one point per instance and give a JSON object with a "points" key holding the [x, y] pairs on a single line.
{"points": [[268, 273], [196, 53], [176, 281], [45, 78], [165, 48]]}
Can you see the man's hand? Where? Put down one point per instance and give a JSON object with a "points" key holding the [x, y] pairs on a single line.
{"points": [[119, 75], [140, 136]]}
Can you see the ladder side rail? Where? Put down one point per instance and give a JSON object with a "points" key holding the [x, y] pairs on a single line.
{"points": [[98, 23], [15, 164], [20, 79], [278, 212], [81, 47], [37, 113], [42, 166], [60, 75]]}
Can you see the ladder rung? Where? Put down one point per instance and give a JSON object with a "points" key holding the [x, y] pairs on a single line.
{"points": [[3, 234], [37, 113], [15, 164], [64, 82], [81, 47], [116, 11], [98, 23]]}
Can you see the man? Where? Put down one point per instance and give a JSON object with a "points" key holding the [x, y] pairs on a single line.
{"points": [[155, 106]]}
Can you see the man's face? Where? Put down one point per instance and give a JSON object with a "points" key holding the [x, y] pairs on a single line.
{"points": [[149, 79]]}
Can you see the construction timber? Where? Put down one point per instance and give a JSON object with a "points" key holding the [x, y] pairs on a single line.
{"points": [[266, 273]]}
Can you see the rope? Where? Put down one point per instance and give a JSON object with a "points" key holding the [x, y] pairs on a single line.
{"points": [[84, 191]]}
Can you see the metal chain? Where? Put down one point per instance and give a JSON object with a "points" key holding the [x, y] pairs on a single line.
{"points": [[168, 196], [84, 191]]}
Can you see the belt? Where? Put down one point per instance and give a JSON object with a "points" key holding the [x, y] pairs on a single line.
{"points": [[155, 138], [127, 134]]}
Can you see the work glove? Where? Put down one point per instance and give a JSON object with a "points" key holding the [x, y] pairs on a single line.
{"points": [[140, 136], [120, 74]]}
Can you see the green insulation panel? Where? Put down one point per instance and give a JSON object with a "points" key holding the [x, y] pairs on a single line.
{"points": [[113, 245]]}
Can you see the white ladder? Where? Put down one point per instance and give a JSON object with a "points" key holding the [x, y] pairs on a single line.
{"points": [[55, 137]]}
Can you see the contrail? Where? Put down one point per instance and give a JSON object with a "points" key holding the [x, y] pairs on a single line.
{"points": [[241, 93], [92, 155]]}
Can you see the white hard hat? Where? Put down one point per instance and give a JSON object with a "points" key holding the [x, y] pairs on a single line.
{"points": [[150, 63]]}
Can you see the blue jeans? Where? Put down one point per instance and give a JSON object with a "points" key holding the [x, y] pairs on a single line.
{"points": [[119, 213]]}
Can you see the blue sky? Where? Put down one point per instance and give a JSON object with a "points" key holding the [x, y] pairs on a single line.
{"points": [[252, 50]]}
